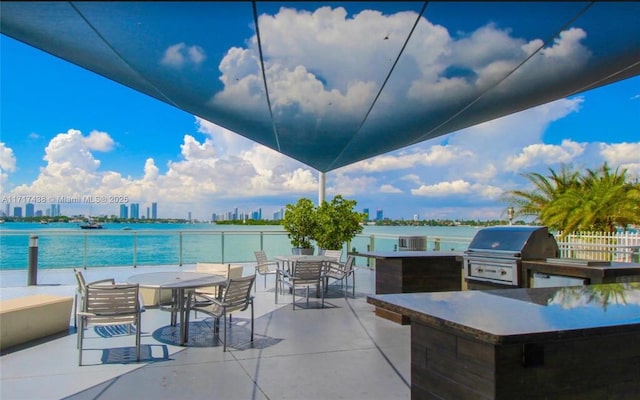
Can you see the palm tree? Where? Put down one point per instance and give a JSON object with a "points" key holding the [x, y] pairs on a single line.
{"points": [[546, 189], [599, 200], [609, 201]]}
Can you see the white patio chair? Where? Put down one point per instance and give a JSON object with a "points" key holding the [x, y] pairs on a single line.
{"points": [[334, 254], [110, 305], [341, 272], [226, 270], [264, 266], [236, 297], [80, 292], [304, 274]]}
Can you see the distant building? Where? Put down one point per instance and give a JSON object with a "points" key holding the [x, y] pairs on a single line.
{"points": [[366, 214], [154, 210], [29, 210], [379, 215], [148, 213], [55, 210], [135, 211], [17, 212], [124, 211]]}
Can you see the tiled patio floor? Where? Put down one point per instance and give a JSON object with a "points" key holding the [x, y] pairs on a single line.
{"points": [[340, 352]]}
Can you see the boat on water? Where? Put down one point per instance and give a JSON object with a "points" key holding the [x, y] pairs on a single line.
{"points": [[91, 225]]}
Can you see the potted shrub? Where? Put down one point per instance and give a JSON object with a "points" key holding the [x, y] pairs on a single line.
{"points": [[301, 223], [337, 223]]}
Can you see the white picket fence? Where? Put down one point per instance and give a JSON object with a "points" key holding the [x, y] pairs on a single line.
{"points": [[601, 246]]}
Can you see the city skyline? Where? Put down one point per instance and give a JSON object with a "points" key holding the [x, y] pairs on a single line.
{"points": [[126, 211]]}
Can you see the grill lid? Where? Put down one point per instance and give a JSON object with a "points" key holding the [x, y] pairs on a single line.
{"points": [[528, 242]]}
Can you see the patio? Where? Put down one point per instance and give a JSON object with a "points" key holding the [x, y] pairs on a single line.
{"points": [[341, 351]]}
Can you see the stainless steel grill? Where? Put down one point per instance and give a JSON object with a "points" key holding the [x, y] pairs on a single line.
{"points": [[495, 254]]}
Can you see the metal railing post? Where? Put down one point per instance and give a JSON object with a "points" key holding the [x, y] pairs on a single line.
{"points": [[84, 255], [135, 249], [222, 245], [180, 255], [371, 263], [32, 276]]}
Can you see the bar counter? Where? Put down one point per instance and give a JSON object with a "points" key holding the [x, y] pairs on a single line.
{"points": [[572, 342], [415, 271], [610, 272]]}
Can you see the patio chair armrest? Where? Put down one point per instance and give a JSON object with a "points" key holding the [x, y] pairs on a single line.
{"points": [[109, 314], [102, 282], [267, 264], [334, 266]]}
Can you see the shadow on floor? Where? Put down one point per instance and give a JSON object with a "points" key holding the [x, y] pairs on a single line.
{"points": [[201, 335]]}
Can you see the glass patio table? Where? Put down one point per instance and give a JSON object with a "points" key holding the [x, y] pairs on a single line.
{"points": [[180, 283]]}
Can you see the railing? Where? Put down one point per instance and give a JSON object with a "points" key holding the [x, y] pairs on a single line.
{"points": [[89, 249], [100, 248], [601, 246], [64, 249]]}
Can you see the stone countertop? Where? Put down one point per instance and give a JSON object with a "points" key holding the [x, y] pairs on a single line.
{"points": [[410, 254], [520, 315], [572, 264]]}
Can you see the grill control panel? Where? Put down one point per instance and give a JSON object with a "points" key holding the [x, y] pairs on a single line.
{"points": [[497, 271]]}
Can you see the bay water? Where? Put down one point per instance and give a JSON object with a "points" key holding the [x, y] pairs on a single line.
{"points": [[66, 245]]}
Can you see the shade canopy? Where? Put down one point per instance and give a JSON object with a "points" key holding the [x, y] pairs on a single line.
{"points": [[333, 83]]}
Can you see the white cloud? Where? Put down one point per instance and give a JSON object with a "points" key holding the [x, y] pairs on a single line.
{"points": [[203, 176], [7, 159], [442, 189], [71, 169], [99, 141], [625, 155], [350, 185], [300, 181], [457, 188], [435, 155], [388, 188], [7, 164], [180, 55], [413, 178], [621, 153], [327, 65], [537, 154]]}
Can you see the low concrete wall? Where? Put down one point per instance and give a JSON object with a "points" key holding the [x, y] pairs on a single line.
{"points": [[24, 319]]}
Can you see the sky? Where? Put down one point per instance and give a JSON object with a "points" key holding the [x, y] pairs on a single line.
{"points": [[67, 132]]}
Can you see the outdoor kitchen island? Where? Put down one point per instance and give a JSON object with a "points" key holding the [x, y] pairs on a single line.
{"points": [[576, 342], [415, 271]]}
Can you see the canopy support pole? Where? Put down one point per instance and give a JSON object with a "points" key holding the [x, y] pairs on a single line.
{"points": [[322, 183]]}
